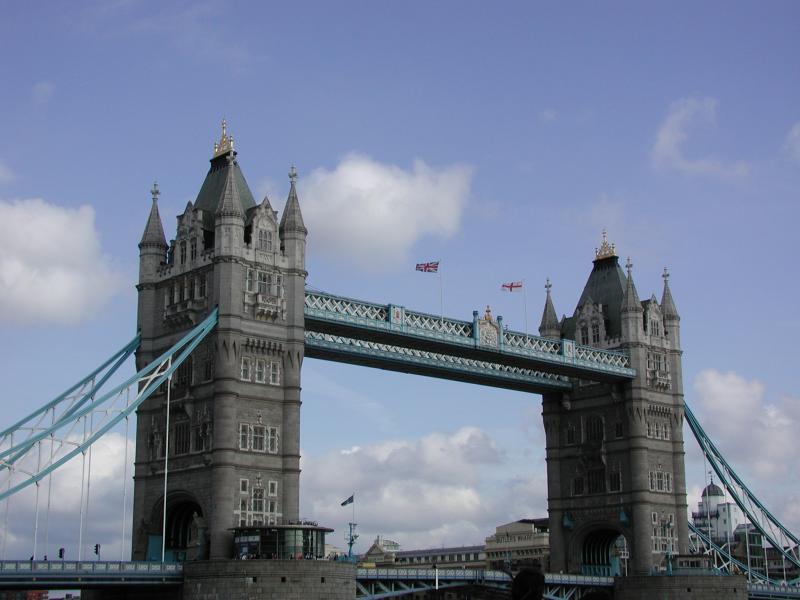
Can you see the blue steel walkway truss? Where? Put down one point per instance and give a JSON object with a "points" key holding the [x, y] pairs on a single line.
{"points": [[394, 338]]}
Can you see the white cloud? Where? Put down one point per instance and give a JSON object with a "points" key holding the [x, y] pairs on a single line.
{"points": [[792, 144], [422, 492], [372, 213], [42, 92], [52, 269], [755, 434], [668, 150], [103, 523], [6, 174]]}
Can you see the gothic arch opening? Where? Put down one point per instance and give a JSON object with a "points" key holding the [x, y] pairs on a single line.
{"points": [[185, 532], [604, 552]]}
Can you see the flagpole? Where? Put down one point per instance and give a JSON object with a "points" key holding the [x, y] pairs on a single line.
{"points": [[441, 293], [525, 307]]}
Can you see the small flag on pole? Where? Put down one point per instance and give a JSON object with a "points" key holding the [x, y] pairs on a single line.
{"points": [[428, 267], [350, 500], [514, 286]]}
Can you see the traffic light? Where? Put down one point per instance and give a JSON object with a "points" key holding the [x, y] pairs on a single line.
{"points": [[97, 549], [60, 553]]}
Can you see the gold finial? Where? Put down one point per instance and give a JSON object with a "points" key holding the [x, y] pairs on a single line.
{"points": [[292, 174], [155, 191], [606, 250], [225, 144]]}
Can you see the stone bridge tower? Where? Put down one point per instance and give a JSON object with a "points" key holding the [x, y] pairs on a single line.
{"points": [[615, 458], [233, 444]]}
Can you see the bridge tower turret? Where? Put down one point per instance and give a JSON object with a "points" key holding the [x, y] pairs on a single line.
{"points": [[232, 444], [615, 458]]}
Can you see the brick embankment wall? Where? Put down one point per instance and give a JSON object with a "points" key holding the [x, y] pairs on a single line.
{"points": [[268, 580], [681, 587]]}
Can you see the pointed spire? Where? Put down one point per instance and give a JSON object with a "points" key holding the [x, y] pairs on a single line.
{"points": [[229, 205], [154, 231], [667, 303], [549, 326], [292, 218], [630, 301]]}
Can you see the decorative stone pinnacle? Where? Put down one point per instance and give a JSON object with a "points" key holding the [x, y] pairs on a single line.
{"points": [[606, 250], [548, 286], [225, 144], [665, 275], [629, 266], [155, 191], [292, 174]]}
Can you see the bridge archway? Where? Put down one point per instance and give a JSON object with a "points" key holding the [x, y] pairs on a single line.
{"points": [[186, 532], [602, 551]]}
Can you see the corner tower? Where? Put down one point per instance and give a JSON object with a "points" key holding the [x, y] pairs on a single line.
{"points": [[233, 450], [615, 457]]}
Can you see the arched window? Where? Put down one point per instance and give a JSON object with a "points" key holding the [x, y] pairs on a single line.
{"points": [[595, 333], [584, 334], [265, 240]]}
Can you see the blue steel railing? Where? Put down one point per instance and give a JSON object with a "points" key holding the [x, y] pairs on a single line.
{"points": [[69, 573], [398, 320]]}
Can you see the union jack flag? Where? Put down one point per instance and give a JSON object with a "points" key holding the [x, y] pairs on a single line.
{"points": [[428, 267], [511, 287]]}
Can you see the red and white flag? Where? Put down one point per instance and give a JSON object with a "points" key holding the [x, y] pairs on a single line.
{"points": [[428, 267], [514, 286]]}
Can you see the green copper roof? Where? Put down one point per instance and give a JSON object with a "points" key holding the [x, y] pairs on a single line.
{"points": [[214, 187]]}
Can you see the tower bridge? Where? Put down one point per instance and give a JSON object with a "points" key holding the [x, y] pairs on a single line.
{"points": [[225, 321]]}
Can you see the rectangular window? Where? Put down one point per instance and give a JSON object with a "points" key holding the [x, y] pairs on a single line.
{"points": [[660, 481], [262, 283], [667, 482], [251, 280], [258, 440], [261, 371], [208, 363], [595, 333], [182, 437], [272, 440], [201, 292], [258, 500], [246, 368], [272, 488], [244, 486], [618, 429], [272, 506], [597, 483], [176, 293], [244, 436], [577, 486], [274, 373], [571, 434], [278, 285], [615, 481], [183, 252], [190, 288], [193, 248]]}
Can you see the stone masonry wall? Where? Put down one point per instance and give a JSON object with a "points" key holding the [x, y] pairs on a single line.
{"points": [[268, 580]]}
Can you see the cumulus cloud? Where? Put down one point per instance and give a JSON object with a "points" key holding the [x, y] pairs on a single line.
{"points": [[755, 434], [42, 92], [669, 148], [60, 528], [423, 492], [6, 174], [372, 214], [792, 144], [52, 269]]}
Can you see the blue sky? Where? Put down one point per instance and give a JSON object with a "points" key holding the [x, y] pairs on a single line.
{"points": [[500, 139]]}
